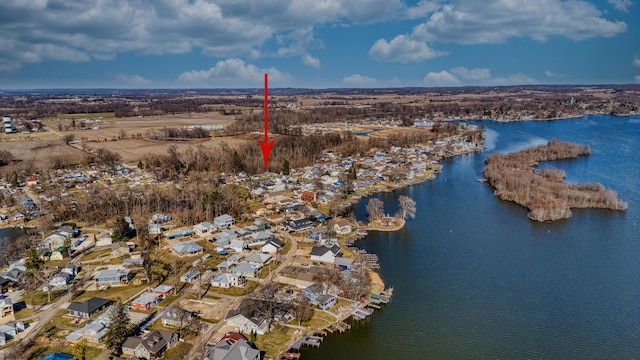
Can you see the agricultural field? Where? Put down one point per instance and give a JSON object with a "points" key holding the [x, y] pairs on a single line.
{"points": [[40, 153]]}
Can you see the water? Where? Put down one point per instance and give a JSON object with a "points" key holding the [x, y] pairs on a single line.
{"points": [[474, 278]]}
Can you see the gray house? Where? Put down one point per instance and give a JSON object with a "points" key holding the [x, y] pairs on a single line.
{"points": [[88, 308]]}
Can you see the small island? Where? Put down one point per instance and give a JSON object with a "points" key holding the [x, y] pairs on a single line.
{"points": [[544, 192]]}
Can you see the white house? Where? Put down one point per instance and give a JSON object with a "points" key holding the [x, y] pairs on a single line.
{"points": [[324, 254], [224, 221], [272, 246], [225, 280], [190, 276], [238, 245], [187, 249], [204, 227]]}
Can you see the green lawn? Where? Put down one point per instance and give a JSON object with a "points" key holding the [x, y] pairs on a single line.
{"points": [[40, 297], [274, 342], [95, 254], [178, 352], [25, 313], [169, 299], [234, 291], [116, 293]]}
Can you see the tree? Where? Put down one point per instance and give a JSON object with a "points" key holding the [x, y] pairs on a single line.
{"points": [[375, 209], [118, 329], [66, 247], [286, 168], [175, 269], [346, 185], [32, 260], [68, 138], [13, 178], [302, 309], [6, 157], [79, 351], [407, 208], [121, 230]]}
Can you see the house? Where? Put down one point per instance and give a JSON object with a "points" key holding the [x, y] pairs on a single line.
{"points": [[224, 238], [5, 285], [70, 269], [190, 276], [235, 258], [93, 331], [298, 225], [342, 226], [343, 263], [317, 233], [176, 317], [325, 302], [119, 249], [233, 346], [258, 259], [224, 221], [312, 292], [163, 291], [131, 262], [246, 270], [260, 225], [324, 254], [179, 234], [60, 279], [275, 218], [53, 242], [225, 266], [272, 246], [225, 280], [9, 330], [152, 346], [87, 309], [145, 301], [6, 310], [204, 227], [261, 236], [155, 229], [104, 242], [113, 277], [187, 249], [238, 245], [247, 319]]}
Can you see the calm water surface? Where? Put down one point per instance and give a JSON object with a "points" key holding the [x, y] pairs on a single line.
{"points": [[474, 278]]}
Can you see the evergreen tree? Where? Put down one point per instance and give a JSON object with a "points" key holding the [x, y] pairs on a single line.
{"points": [[121, 230], [31, 260], [118, 329], [79, 351], [140, 164], [286, 168], [13, 178], [66, 247]]}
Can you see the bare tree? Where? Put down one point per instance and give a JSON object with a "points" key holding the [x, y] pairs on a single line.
{"points": [[407, 207], [302, 309], [375, 208]]}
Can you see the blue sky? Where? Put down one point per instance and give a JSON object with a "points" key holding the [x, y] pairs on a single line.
{"points": [[316, 43]]}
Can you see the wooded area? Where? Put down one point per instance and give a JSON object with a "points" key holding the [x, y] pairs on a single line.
{"points": [[544, 192]]}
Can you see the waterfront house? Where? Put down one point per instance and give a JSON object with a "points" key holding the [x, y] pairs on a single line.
{"points": [[229, 348], [163, 290], [187, 249], [342, 226], [324, 254], [190, 276], [224, 221], [150, 347], [228, 280], [344, 263], [272, 246], [325, 302], [176, 317], [298, 225], [317, 233], [113, 277], [88, 308], [145, 301], [247, 319], [6, 310], [312, 292]]}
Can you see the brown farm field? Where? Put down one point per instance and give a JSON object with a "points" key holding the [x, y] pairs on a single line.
{"points": [[40, 152]]}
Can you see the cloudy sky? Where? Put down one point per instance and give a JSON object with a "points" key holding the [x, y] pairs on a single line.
{"points": [[316, 43]]}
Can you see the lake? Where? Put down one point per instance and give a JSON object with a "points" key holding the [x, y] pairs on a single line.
{"points": [[474, 278]]}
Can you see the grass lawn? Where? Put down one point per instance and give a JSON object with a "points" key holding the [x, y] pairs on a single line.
{"points": [[318, 320], [169, 299], [61, 319], [81, 116], [177, 352], [264, 272], [235, 291], [40, 297], [275, 341], [117, 293], [95, 254], [24, 313]]}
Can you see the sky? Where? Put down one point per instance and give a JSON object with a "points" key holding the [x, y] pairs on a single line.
{"points": [[316, 43]]}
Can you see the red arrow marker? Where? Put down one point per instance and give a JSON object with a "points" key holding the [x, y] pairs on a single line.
{"points": [[266, 145]]}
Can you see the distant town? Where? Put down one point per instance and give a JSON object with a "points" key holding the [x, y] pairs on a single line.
{"points": [[144, 225]]}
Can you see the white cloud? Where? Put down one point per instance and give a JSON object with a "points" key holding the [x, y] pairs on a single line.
{"points": [[84, 30], [133, 80], [310, 61], [481, 22], [357, 80], [622, 5], [636, 61], [232, 73], [472, 74], [402, 49], [442, 78], [423, 8]]}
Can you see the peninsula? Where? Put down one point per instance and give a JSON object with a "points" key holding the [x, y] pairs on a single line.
{"points": [[544, 192]]}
